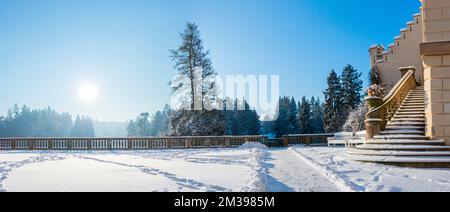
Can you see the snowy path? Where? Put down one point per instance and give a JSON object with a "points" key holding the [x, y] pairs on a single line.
{"points": [[287, 172]]}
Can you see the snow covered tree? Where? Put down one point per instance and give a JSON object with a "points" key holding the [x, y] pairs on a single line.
{"points": [[197, 123], [356, 118], [193, 62], [333, 104], [198, 84]]}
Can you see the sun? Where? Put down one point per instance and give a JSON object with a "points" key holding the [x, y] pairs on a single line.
{"points": [[88, 92]]}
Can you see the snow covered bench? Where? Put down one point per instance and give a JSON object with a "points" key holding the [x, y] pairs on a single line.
{"points": [[347, 139]]}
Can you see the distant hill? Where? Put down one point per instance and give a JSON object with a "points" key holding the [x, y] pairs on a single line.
{"points": [[110, 129]]}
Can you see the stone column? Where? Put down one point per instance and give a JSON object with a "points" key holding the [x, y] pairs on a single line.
{"points": [[435, 51]]}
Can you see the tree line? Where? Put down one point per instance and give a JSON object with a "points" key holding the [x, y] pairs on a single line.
{"points": [[26, 122], [297, 117], [169, 122]]}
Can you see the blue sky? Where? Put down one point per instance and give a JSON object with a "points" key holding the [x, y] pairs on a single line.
{"points": [[49, 47]]}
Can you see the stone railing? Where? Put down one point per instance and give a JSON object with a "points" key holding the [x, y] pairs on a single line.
{"points": [[379, 115], [127, 143], [307, 139]]}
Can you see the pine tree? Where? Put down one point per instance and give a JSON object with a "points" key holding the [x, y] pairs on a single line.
{"points": [[193, 62], [281, 124], [317, 115], [293, 127], [333, 104], [304, 117], [351, 89]]}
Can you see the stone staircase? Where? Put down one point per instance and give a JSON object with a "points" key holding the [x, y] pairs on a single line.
{"points": [[403, 143]]}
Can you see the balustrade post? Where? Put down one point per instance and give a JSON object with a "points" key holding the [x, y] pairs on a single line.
{"points": [[89, 144], [69, 144], [227, 142], [50, 144], [285, 141], [30, 144], [130, 144], [109, 144], [13, 144]]}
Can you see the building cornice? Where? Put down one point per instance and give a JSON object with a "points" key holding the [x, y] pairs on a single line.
{"points": [[435, 48]]}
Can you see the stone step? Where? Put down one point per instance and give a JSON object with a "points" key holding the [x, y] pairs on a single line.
{"points": [[397, 153], [401, 136], [408, 119], [413, 105], [405, 128], [412, 161], [416, 148], [409, 111], [409, 102], [400, 132], [422, 124], [407, 142], [409, 116]]}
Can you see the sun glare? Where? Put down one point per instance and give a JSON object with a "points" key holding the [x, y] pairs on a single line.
{"points": [[88, 92]]}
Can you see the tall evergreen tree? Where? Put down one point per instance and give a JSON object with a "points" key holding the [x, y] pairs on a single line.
{"points": [[351, 89], [193, 62], [333, 104], [198, 85], [304, 117], [293, 127], [281, 124], [317, 115]]}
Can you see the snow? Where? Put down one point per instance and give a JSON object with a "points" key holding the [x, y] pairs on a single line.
{"points": [[249, 168], [291, 173], [350, 175], [157, 170]]}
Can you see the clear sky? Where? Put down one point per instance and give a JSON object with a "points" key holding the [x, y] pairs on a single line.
{"points": [[49, 48]]}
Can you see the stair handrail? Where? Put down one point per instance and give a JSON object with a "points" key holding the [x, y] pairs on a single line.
{"points": [[378, 117]]}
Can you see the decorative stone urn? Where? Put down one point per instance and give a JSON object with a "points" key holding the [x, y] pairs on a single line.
{"points": [[373, 101]]}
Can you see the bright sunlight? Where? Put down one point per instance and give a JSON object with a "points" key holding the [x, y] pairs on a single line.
{"points": [[88, 92]]}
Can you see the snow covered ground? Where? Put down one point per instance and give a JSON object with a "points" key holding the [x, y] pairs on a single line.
{"points": [[249, 168], [355, 176]]}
